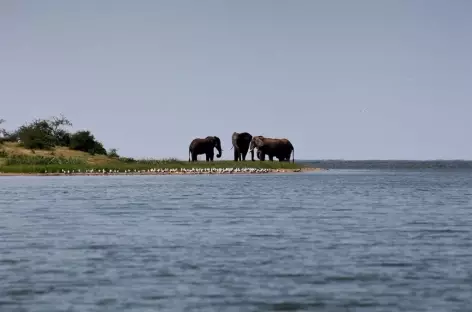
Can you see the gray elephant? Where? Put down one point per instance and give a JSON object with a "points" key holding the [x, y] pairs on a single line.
{"points": [[259, 156], [279, 148], [205, 146], [241, 143]]}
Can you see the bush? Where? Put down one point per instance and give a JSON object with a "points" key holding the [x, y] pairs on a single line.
{"points": [[85, 141], [9, 136], [42, 133], [113, 153], [37, 135], [62, 138], [45, 134], [127, 160]]}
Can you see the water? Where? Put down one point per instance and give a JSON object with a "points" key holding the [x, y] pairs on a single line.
{"points": [[329, 241]]}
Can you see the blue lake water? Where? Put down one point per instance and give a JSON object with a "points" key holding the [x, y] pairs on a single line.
{"points": [[346, 240]]}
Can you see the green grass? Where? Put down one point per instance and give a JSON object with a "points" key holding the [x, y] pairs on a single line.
{"points": [[14, 160]]}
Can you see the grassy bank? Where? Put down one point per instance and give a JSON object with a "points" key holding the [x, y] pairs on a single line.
{"points": [[138, 166], [15, 159]]}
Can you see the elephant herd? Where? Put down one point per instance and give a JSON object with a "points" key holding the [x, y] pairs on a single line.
{"points": [[242, 143]]}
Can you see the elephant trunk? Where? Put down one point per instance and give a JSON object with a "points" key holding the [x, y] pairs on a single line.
{"points": [[251, 149], [220, 152], [251, 146]]}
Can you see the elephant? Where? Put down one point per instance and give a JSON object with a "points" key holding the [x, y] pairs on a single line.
{"points": [[205, 146], [279, 148], [241, 143], [259, 156]]}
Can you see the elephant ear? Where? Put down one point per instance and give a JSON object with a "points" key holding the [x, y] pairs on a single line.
{"points": [[258, 141]]}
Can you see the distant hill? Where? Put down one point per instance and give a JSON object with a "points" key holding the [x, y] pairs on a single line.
{"points": [[390, 164]]}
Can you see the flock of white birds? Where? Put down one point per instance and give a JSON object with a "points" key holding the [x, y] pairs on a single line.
{"points": [[170, 171]]}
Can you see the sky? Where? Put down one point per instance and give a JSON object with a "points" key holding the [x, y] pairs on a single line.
{"points": [[340, 79]]}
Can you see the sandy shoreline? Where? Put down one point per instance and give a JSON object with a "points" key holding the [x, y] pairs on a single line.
{"points": [[178, 172]]}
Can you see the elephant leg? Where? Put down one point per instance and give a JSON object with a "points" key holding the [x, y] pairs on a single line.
{"points": [[244, 156], [262, 156], [236, 154], [271, 157], [194, 157]]}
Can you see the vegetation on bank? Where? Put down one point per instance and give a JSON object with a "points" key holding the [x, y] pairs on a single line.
{"points": [[44, 145], [47, 134]]}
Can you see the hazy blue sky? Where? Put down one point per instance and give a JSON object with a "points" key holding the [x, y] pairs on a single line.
{"points": [[340, 79]]}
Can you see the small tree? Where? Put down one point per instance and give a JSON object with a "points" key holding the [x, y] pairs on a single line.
{"points": [[113, 152], [60, 121], [42, 133], [61, 135], [37, 135]]}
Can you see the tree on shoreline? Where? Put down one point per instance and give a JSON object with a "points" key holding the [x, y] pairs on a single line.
{"points": [[85, 141], [46, 134]]}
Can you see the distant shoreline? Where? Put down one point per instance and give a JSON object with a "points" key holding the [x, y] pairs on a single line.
{"points": [[165, 172], [385, 164]]}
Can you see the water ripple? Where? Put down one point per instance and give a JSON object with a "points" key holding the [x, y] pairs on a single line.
{"points": [[334, 241]]}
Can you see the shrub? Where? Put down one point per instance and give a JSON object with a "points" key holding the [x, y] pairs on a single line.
{"points": [[128, 160], [113, 153], [43, 134], [62, 138], [37, 135], [46, 134], [85, 141]]}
